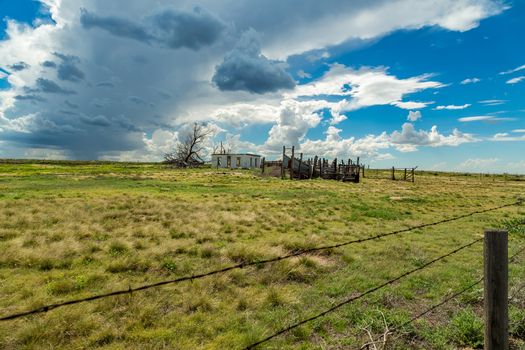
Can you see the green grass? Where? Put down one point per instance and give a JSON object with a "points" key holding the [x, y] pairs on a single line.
{"points": [[73, 229]]}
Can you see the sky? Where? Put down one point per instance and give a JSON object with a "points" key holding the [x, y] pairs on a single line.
{"points": [[433, 84]]}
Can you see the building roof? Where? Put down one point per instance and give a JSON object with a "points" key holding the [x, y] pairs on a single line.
{"points": [[236, 154]]}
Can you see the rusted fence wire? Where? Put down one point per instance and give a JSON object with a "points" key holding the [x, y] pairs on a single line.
{"points": [[421, 314], [354, 298], [441, 303]]}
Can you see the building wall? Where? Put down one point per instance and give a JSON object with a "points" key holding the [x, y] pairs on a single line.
{"points": [[237, 161]]}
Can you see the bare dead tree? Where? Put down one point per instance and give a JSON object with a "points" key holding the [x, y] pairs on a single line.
{"points": [[189, 151]]}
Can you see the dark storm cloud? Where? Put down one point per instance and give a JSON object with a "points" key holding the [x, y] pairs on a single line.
{"points": [[49, 64], [17, 67], [49, 86], [67, 68], [117, 26], [32, 97], [70, 104], [137, 100], [66, 112], [126, 124], [99, 120], [107, 84], [193, 30], [245, 68], [169, 28], [165, 95]]}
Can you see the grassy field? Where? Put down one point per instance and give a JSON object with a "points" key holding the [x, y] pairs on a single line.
{"points": [[69, 230]]}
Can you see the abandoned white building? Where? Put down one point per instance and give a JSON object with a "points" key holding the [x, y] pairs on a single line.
{"points": [[235, 160]]}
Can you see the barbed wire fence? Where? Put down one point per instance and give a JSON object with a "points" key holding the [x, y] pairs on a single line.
{"points": [[349, 300], [446, 300], [359, 296]]}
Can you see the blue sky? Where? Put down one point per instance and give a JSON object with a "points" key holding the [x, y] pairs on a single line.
{"points": [[404, 83]]}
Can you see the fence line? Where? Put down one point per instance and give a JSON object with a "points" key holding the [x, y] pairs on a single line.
{"points": [[369, 291], [130, 290]]}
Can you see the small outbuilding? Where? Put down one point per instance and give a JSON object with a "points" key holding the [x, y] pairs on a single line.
{"points": [[235, 160]]}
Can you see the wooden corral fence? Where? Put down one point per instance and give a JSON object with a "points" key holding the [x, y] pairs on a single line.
{"points": [[402, 174], [296, 167], [318, 167]]}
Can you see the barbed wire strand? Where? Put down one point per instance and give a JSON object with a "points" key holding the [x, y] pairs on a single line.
{"points": [[515, 255], [354, 298], [512, 259], [444, 301], [418, 316], [49, 307]]}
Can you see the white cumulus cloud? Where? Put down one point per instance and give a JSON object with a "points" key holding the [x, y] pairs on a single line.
{"points": [[414, 116]]}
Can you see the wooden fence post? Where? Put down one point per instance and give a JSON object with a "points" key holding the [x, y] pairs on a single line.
{"points": [[393, 173], [300, 165], [263, 163], [282, 163], [291, 163], [312, 171], [413, 174], [496, 290]]}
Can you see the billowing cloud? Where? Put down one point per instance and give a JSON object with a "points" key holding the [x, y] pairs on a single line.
{"points": [[373, 146], [122, 27], [67, 69], [408, 139], [170, 28], [193, 29], [295, 119], [84, 66], [243, 114], [410, 104], [366, 87], [313, 24], [245, 68]]}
